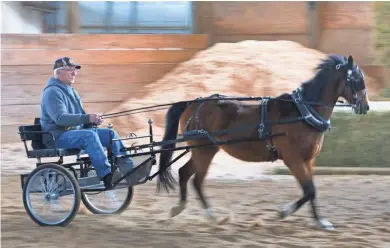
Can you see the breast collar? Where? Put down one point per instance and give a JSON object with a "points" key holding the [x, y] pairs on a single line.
{"points": [[310, 115]]}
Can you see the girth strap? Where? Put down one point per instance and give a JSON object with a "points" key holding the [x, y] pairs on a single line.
{"points": [[265, 132], [196, 119], [263, 119]]}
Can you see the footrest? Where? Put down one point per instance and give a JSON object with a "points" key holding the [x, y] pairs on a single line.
{"points": [[140, 173], [100, 187]]}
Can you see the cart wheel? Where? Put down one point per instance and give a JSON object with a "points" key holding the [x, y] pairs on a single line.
{"points": [[51, 195], [113, 201]]}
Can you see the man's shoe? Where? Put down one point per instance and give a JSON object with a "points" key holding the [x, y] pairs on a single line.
{"points": [[110, 179], [107, 180]]}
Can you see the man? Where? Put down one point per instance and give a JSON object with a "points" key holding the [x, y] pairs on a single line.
{"points": [[63, 115]]}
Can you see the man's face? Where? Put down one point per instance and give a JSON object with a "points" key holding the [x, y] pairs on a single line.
{"points": [[67, 75]]}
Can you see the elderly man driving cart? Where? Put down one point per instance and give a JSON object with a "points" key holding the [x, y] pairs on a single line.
{"points": [[62, 114]]}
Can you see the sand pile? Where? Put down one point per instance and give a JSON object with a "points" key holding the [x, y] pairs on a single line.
{"points": [[247, 68]]}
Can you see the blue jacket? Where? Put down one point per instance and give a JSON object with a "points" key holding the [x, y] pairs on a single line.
{"points": [[61, 109]]}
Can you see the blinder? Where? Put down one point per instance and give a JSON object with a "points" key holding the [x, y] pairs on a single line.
{"points": [[355, 81], [356, 84]]}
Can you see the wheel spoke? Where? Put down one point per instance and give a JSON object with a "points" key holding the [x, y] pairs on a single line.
{"points": [[43, 199]]}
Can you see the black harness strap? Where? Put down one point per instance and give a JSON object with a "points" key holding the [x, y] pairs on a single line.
{"points": [[263, 119], [309, 115], [265, 131], [196, 116], [197, 130]]}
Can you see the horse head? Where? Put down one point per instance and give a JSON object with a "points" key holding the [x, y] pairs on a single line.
{"points": [[336, 77], [352, 85]]}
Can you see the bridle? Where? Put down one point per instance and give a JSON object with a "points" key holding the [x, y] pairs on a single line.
{"points": [[355, 84]]}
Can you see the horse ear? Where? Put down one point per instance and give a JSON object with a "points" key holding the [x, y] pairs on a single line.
{"points": [[350, 62]]}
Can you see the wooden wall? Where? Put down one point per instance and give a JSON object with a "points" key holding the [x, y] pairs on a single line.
{"points": [[340, 27], [114, 67], [123, 64], [348, 29], [236, 21]]}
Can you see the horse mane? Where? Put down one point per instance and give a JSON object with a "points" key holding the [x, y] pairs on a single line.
{"points": [[312, 88]]}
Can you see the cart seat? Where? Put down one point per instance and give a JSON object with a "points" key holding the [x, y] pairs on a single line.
{"points": [[34, 133]]}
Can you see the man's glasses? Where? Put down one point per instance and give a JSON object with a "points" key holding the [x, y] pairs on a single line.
{"points": [[70, 70]]}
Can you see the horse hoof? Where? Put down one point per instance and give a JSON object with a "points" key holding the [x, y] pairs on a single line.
{"points": [[324, 223], [176, 210], [286, 211], [211, 216], [282, 214]]}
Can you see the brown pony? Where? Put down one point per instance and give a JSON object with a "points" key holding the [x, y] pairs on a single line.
{"points": [[301, 122]]}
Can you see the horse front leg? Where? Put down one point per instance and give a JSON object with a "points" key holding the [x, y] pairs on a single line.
{"points": [[324, 223], [303, 175]]}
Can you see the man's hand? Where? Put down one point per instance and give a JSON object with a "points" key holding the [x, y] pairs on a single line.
{"points": [[96, 118]]}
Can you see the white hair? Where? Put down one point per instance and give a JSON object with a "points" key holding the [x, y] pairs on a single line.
{"points": [[55, 72]]}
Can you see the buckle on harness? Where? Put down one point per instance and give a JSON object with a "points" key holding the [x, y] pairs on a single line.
{"points": [[261, 128], [261, 131]]}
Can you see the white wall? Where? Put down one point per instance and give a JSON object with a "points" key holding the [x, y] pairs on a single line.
{"points": [[17, 19]]}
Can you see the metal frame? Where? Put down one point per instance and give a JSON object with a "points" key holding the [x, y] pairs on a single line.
{"points": [[84, 163]]}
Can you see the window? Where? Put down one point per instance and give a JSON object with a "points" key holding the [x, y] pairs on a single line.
{"points": [[56, 22], [92, 13], [126, 17]]}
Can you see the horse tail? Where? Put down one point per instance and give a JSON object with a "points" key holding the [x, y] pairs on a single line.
{"points": [[165, 178]]}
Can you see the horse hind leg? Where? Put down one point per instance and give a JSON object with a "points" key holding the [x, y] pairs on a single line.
{"points": [[185, 172], [201, 160], [302, 173]]}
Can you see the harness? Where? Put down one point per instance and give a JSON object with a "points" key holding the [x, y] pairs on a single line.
{"points": [[307, 114], [265, 131], [355, 85]]}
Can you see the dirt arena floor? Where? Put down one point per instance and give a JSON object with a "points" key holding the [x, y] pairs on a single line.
{"points": [[359, 208]]}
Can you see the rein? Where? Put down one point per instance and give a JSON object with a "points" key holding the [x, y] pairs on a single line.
{"points": [[200, 99]]}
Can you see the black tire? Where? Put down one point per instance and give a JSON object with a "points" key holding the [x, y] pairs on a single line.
{"points": [[74, 184], [89, 205]]}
